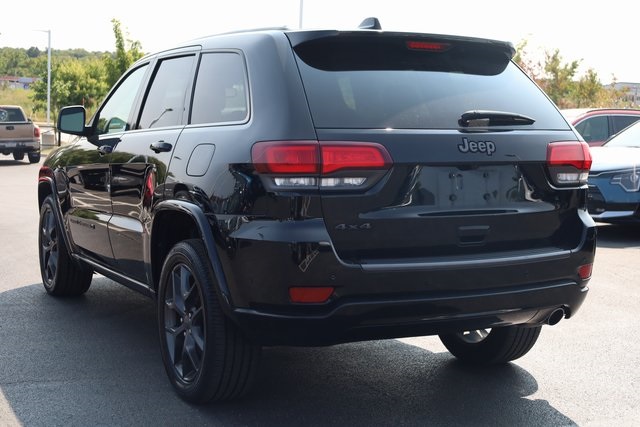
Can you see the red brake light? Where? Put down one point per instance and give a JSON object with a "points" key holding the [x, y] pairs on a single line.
{"points": [[36, 131], [569, 162], [353, 156], [428, 46], [569, 153], [295, 157]]}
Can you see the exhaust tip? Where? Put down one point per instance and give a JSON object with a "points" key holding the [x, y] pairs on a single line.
{"points": [[555, 317]]}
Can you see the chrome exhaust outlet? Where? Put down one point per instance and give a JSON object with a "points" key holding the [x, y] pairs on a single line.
{"points": [[555, 317]]}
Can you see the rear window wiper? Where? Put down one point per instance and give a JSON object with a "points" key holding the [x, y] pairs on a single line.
{"points": [[482, 118]]}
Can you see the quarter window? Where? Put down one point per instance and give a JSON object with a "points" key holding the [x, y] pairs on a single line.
{"points": [[221, 94], [164, 104]]}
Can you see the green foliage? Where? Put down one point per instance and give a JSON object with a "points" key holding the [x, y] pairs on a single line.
{"points": [[127, 52], [558, 80]]}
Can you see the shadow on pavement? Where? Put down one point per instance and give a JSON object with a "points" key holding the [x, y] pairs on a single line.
{"points": [[95, 361], [619, 236]]}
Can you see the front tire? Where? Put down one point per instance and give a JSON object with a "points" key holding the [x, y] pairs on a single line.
{"points": [[205, 356], [61, 274], [498, 345]]}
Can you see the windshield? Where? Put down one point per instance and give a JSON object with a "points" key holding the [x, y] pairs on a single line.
{"points": [[629, 137]]}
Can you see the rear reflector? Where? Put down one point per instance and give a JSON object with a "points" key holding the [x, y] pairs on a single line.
{"points": [[584, 271], [308, 295], [569, 162]]}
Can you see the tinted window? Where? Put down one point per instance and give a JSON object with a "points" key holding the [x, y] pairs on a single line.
{"points": [[12, 115], [366, 84], [594, 128], [114, 114], [621, 122], [165, 101], [221, 93]]}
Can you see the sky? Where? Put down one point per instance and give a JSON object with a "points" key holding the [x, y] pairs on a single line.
{"points": [[598, 34]]}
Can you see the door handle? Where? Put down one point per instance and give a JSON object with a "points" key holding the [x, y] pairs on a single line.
{"points": [[161, 147]]}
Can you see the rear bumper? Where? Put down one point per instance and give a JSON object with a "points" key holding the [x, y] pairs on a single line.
{"points": [[8, 147], [358, 320]]}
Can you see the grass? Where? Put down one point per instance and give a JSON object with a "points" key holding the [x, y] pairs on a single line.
{"points": [[21, 97]]}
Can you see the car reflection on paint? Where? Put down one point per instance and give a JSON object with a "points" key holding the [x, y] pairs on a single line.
{"points": [[614, 180]]}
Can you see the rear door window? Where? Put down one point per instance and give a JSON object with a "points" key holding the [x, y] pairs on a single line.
{"points": [[164, 104], [594, 128], [366, 83]]}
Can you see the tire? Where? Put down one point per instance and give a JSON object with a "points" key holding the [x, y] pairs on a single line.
{"points": [[61, 274], [498, 345], [18, 156], [33, 157], [205, 356]]}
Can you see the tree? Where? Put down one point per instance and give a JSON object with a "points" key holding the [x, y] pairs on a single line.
{"points": [[127, 52]]}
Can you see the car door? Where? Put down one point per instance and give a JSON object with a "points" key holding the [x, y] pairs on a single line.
{"points": [[88, 172], [140, 160]]}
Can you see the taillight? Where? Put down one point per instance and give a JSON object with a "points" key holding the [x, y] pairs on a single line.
{"points": [[584, 271], [326, 165], [36, 132], [569, 163]]}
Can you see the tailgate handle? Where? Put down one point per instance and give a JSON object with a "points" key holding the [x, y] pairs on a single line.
{"points": [[472, 235], [10, 127]]}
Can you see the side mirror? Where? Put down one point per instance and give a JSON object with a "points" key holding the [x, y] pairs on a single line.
{"points": [[71, 120]]}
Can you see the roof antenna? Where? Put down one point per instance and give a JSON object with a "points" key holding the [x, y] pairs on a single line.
{"points": [[370, 24]]}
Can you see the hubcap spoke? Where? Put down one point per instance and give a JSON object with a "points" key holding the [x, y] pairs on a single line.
{"points": [[184, 323]]}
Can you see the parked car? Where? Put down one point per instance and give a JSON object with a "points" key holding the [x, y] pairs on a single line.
{"points": [[280, 187], [596, 125], [18, 134], [614, 180]]}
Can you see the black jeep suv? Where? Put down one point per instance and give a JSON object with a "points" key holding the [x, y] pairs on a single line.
{"points": [[280, 187]]}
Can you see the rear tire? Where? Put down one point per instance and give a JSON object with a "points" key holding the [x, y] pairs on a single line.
{"points": [[205, 356], [33, 157], [498, 345], [18, 156], [61, 274]]}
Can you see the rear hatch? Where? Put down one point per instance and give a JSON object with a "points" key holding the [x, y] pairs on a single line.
{"points": [[436, 149]]}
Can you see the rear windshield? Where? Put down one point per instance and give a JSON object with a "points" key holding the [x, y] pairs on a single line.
{"points": [[8, 114], [366, 84]]}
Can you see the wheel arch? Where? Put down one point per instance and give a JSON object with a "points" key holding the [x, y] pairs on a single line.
{"points": [[178, 220]]}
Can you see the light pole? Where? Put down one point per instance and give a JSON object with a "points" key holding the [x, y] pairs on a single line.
{"points": [[300, 18]]}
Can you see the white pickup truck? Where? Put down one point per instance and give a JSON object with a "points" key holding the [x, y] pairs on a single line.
{"points": [[18, 134]]}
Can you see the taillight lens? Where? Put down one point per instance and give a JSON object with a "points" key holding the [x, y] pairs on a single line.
{"points": [[314, 164], [569, 163], [36, 131], [286, 158]]}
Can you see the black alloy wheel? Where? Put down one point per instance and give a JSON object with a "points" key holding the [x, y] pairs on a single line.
{"points": [[61, 274], [204, 354]]}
